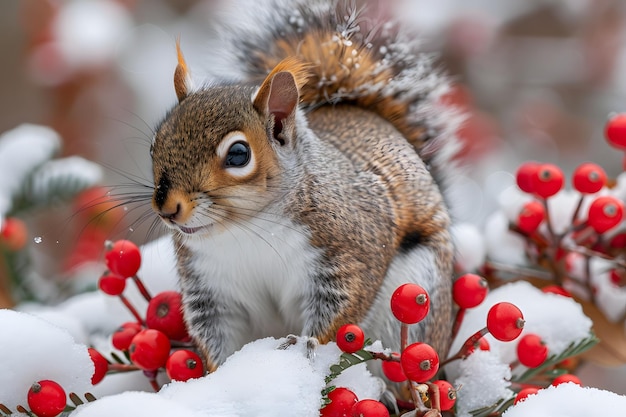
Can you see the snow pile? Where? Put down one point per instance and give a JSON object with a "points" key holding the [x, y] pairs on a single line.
{"points": [[483, 381], [259, 380], [33, 349], [570, 400], [21, 150]]}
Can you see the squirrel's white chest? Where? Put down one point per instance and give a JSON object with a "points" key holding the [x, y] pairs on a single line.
{"points": [[262, 265]]}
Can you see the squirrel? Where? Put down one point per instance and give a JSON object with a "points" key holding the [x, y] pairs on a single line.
{"points": [[306, 185]]}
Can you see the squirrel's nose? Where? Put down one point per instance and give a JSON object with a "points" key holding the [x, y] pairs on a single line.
{"points": [[170, 212]]}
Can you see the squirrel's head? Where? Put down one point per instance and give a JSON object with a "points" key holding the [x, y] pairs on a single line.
{"points": [[216, 156]]}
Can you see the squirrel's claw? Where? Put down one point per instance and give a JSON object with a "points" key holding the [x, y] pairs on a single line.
{"points": [[311, 344], [291, 340]]}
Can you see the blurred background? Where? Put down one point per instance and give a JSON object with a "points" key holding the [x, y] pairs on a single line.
{"points": [[537, 79]]}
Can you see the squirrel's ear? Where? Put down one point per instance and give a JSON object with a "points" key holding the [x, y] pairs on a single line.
{"points": [[279, 95], [182, 78]]}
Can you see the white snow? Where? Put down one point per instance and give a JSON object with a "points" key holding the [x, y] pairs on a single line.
{"points": [[90, 32], [74, 168], [483, 380], [258, 380], [33, 349], [570, 400], [133, 404], [21, 150], [503, 245], [470, 246]]}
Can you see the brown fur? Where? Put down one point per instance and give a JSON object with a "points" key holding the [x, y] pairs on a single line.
{"points": [[352, 67]]}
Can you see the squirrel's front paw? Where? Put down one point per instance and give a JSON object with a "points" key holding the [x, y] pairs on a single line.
{"points": [[311, 344]]}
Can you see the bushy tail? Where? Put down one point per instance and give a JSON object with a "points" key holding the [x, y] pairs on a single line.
{"points": [[356, 56]]}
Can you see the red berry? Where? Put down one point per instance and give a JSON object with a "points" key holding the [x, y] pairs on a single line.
{"points": [[350, 338], [556, 289], [369, 408], [589, 178], [13, 233], [565, 378], [447, 394], [165, 313], [410, 303], [149, 349], [420, 362], [46, 398], [481, 344], [531, 350], [393, 370], [341, 402], [618, 241], [548, 180], [525, 392], [505, 321], [605, 212], [616, 277], [615, 131], [100, 364], [123, 336], [112, 284], [183, 365], [524, 176], [531, 216], [469, 290], [123, 258]]}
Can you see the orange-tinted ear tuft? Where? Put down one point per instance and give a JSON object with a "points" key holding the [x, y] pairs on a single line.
{"points": [[299, 71], [182, 78]]}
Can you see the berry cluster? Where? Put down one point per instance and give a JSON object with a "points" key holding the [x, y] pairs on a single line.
{"points": [[148, 343], [417, 364], [596, 229], [157, 342]]}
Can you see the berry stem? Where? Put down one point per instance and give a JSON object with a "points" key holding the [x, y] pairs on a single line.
{"points": [[151, 375], [592, 253], [417, 398], [458, 321], [435, 399], [404, 336], [132, 309], [577, 209], [548, 221], [122, 367], [142, 288], [519, 271], [469, 343]]}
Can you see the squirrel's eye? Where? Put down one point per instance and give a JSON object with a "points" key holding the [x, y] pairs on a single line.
{"points": [[238, 155]]}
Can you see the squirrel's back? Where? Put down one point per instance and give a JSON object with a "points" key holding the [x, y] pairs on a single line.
{"points": [[356, 55]]}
